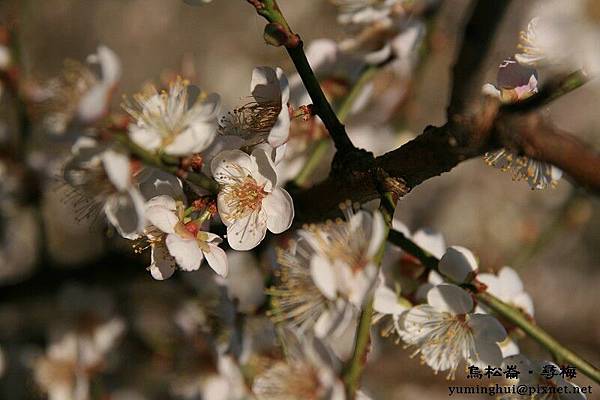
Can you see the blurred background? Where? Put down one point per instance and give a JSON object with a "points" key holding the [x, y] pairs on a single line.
{"points": [[52, 270]]}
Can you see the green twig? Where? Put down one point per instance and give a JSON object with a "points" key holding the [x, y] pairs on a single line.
{"points": [[269, 9], [508, 312], [356, 365], [155, 160]]}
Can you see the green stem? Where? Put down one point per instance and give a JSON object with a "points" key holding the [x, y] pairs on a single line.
{"points": [[357, 362], [563, 354], [269, 9], [318, 151], [155, 160], [508, 312], [356, 365]]}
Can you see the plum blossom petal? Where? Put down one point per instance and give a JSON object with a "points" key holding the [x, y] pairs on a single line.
{"points": [[458, 264], [450, 298], [186, 252], [279, 208]]}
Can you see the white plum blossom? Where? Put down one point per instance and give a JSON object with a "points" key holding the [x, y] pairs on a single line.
{"points": [[325, 275], [562, 36], [179, 122], [343, 263], [445, 331], [458, 264], [297, 299], [79, 95], [245, 282], [249, 200], [178, 240], [103, 178], [516, 83], [364, 12], [265, 119], [388, 303], [308, 373], [66, 370], [508, 287]]}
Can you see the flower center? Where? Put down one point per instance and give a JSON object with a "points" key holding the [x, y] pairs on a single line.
{"points": [[244, 197], [252, 122]]}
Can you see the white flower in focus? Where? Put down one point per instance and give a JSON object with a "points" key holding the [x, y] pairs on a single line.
{"points": [[308, 373], [79, 95], [446, 332], [249, 200], [458, 264], [563, 35], [516, 83], [508, 287], [265, 119], [540, 377], [174, 122], [102, 177], [176, 238]]}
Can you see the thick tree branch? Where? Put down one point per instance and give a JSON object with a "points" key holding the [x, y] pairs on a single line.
{"points": [[439, 149], [478, 35]]}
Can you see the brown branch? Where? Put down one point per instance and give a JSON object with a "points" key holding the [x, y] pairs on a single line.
{"points": [[478, 35], [439, 149]]}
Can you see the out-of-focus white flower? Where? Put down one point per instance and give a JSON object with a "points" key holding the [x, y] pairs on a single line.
{"points": [[308, 373], [5, 58], [387, 303], [378, 139], [176, 238], [516, 83], [364, 12], [102, 177], [70, 363], [227, 383], [174, 122], [155, 182], [266, 119], [458, 264], [298, 300], [446, 332], [250, 200], [508, 287], [245, 282], [540, 376], [331, 66], [563, 35], [79, 95], [343, 263]]}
